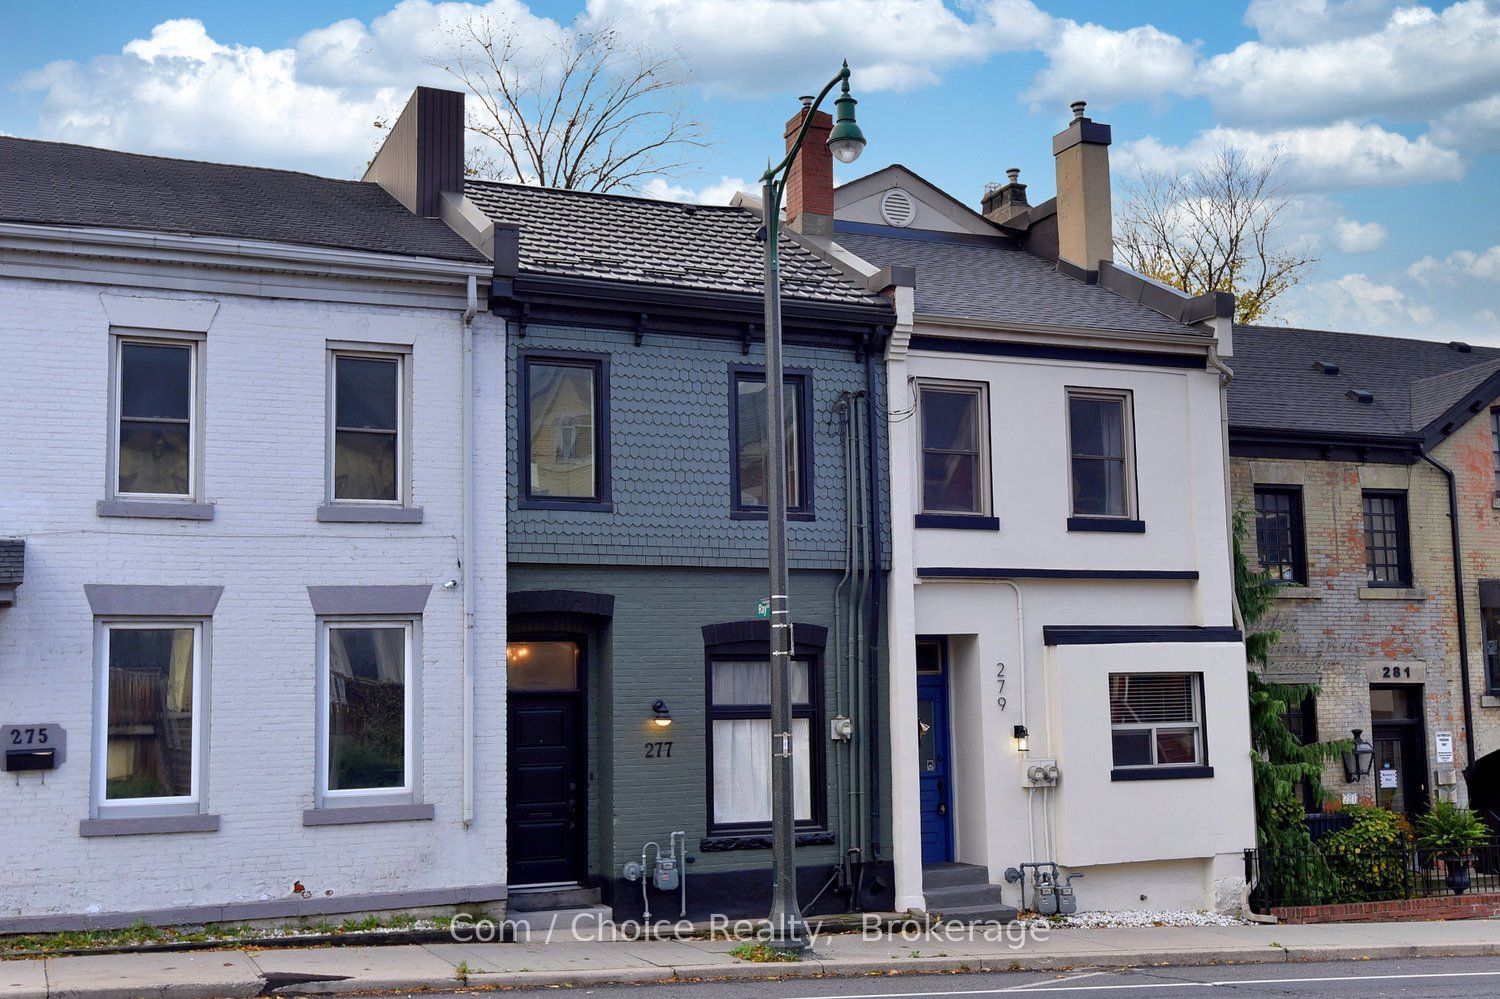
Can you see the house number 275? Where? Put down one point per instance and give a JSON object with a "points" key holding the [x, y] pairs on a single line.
{"points": [[658, 750]]}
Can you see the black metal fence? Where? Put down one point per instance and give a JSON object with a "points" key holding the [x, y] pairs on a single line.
{"points": [[1331, 873]]}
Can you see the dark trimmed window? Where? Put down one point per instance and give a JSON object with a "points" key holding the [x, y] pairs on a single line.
{"points": [[955, 472], [1489, 611], [739, 713], [564, 431], [1302, 722], [1279, 540], [1495, 445], [752, 443], [1156, 720], [1099, 451], [1387, 539]]}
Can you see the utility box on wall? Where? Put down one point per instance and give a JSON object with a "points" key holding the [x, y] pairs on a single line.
{"points": [[31, 748]]}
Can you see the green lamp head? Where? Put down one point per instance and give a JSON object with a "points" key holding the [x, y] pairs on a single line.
{"points": [[846, 141]]}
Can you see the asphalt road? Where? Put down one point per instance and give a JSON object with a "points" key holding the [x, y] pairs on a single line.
{"points": [[1431, 978]]}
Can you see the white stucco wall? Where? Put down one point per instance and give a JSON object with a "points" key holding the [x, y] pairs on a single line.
{"points": [[264, 395]]}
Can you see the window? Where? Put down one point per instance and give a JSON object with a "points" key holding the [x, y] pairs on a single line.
{"points": [[149, 731], [1302, 723], [752, 443], [565, 459], [1156, 719], [1387, 545], [155, 402], [368, 403], [955, 467], [739, 697], [1489, 610], [1495, 445], [367, 712], [1279, 539], [1099, 435]]}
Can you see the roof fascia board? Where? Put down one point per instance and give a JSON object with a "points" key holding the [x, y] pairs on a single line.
{"points": [[256, 255], [1476, 401], [1311, 445], [1189, 338]]}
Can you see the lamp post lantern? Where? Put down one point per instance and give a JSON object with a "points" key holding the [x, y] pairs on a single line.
{"points": [[846, 142]]}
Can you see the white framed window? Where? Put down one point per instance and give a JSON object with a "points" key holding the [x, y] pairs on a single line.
{"points": [[1156, 720], [369, 412], [1101, 453], [150, 728], [955, 434], [367, 711], [155, 416]]}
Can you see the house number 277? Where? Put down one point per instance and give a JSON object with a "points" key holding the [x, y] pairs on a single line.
{"points": [[658, 750]]}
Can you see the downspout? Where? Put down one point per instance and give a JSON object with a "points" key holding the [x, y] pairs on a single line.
{"points": [[859, 784], [872, 431], [1460, 599], [1226, 375], [467, 555], [843, 757]]}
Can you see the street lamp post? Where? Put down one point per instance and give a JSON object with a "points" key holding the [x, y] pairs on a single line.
{"points": [[787, 930]]}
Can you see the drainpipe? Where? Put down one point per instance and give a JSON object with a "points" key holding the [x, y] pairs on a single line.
{"points": [[1460, 600], [843, 694], [467, 570], [872, 688], [1226, 375]]}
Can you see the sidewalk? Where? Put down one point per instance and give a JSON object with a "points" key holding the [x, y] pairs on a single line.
{"points": [[202, 974]]}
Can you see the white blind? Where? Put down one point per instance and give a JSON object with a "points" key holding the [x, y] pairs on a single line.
{"points": [[1150, 699]]}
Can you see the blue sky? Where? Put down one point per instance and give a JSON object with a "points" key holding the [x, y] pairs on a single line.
{"points": [[1386, 113]]}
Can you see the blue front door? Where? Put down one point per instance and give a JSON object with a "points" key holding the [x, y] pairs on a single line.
{"points": [[933, 752]]}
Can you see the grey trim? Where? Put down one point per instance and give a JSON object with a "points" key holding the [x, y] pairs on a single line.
{"points": [[149, 825], [345, 513], [108, 600], [154, 509], [334, 816], [331, 601], [279, 908]]}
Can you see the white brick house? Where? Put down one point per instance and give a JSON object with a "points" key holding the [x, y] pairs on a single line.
{"points": [[232, 420]]}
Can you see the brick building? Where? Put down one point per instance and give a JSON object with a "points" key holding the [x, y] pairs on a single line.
{"points": [[1344, 449]]}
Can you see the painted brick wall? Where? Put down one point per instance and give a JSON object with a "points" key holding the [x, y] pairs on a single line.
{"points": [[671, 453], [264, 471]]}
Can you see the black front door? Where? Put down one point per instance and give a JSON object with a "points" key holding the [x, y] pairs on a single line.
{"points": [[546, 796], [1400, 753]]}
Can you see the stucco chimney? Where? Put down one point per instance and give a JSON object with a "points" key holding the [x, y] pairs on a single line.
{"points": [[1003, 202], [1085, 230], [423, 153], [809, 184]]}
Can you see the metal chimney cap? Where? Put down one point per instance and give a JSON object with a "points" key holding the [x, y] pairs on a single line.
{"points": [[806, 100], [1077, 108], [1013, 174]]}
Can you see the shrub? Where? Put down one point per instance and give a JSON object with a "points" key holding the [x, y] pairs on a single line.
{"points": [[1367, 861]]}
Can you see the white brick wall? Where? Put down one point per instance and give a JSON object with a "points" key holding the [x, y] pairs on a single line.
{"points": [[265, 385]]}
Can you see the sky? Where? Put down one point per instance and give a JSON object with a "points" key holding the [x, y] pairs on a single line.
{"points": [[1385, 114]]}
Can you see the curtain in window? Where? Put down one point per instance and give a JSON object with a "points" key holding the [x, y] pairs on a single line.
{"points": [[742, 746], [561, 408]]}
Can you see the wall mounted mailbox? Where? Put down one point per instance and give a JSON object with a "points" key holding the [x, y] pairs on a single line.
{"points": [[33, 747]]}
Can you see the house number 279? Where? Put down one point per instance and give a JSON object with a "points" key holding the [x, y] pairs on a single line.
{"points": [[658, 750]]}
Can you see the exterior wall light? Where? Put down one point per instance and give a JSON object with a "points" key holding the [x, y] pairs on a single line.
{"points": [[661, 715], [1359, 761], [1023, 739]]}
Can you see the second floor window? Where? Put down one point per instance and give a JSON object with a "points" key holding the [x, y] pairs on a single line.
{"points": [[955, 472], [1387, 541], [1100, 458], [155, 400], [1279, 539], [368, 453], [563, 430], [752, 442], [1495, 445]]}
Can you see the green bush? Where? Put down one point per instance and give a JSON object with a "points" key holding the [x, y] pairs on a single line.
{"points": [[1451, 830], [1367, 860]]}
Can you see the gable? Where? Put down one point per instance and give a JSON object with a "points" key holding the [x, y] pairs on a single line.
{"points": [[934, 211]]}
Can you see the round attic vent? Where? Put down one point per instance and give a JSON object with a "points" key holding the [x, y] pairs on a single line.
{"points": [[897, 208]]}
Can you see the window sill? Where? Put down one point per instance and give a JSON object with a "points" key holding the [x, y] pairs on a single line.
{"points": [[361, 814], [154, 509], [795, 516], [148, 825], [1392, 593], [1160, 773], [761, 841], [1107, 525], [338, 513], [958, 521], [582, 506], [1489, 701], [1292, 592]]}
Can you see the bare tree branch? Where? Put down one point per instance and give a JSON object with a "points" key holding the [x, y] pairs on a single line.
{"points": [[1217, 228], [592, 110]]}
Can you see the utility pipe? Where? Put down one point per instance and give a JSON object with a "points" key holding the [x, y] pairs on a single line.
{"points": [[467, 548], [872, 686], [1226, 375]]}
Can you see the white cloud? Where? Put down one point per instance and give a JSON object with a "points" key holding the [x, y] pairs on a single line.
{"points": [[717, 193], [1482, 266], [1358, 303], [1290, 21], [1351, 236], [1322, 158], [1474, 126], [1107, 67], [1417, 64]]}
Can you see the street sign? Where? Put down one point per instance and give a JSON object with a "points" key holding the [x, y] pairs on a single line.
{"points": [[763, 609]]}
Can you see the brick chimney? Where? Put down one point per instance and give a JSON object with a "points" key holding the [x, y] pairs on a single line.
{"points": [[1084, 224], [423, 154], [1004, 202], [809, 184]]}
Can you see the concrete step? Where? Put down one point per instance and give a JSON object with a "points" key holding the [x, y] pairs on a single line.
{"points": [[950, 875], [944, 899], [584, 923], [991, 913], [549, 899]]}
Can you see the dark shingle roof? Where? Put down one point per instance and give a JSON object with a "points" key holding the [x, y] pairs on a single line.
{"points": [[1278, 386], [992, 279], [53, 183], [641, 241], [12, 561]]}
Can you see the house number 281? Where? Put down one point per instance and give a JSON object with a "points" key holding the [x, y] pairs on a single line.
{"points": [[1395, 672], [658, 750]]}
